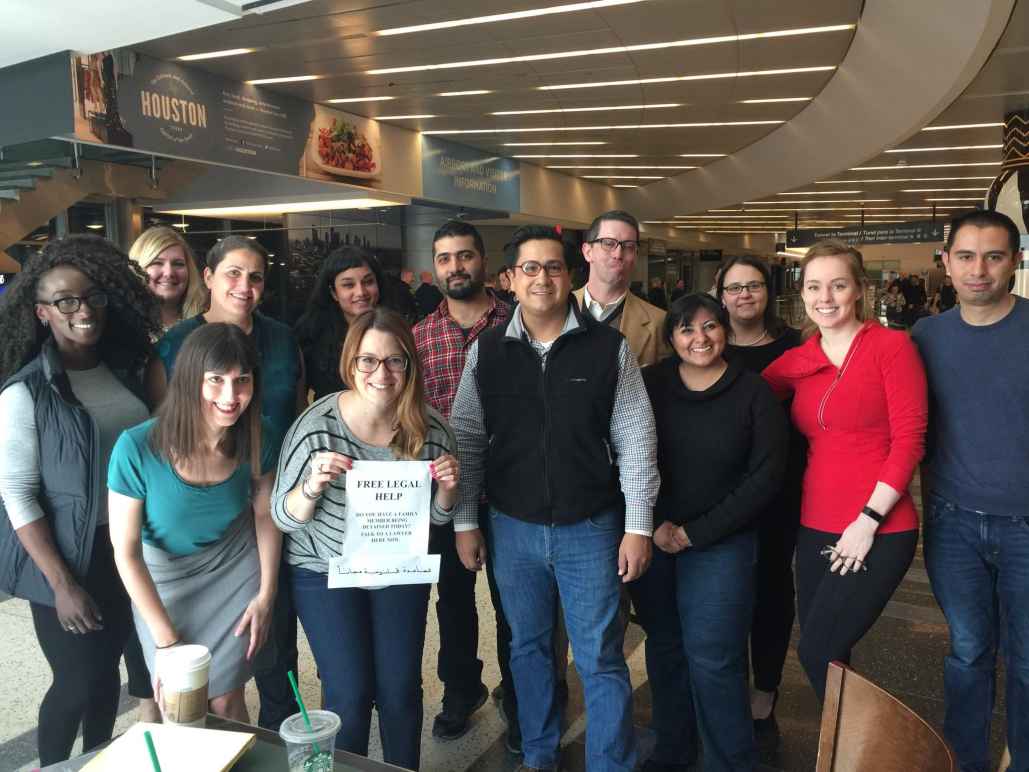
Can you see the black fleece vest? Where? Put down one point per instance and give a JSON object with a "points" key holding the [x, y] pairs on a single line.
{"points": [[549, 458]]}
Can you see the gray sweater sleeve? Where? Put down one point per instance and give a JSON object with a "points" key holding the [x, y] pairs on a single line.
{"points": [[19, 456]]}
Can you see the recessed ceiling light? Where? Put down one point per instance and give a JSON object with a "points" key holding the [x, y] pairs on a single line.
{"points": [[400, 117], [95, 226], [610, 50], [622, 177], [939, 149], [944, 190], [350, 100], [576, 155], [629, 126], [285, 207], [922, 166], [679, 78], [957, 198], [827, 201], [623, 185], [618, 166], [216, 54], [900, 179], [963, 126], [473, 92], [586, 109], [290, 79], [548, 144], [511, 16], [771, 101], [818, 193], [182, 225], [701, 155]]}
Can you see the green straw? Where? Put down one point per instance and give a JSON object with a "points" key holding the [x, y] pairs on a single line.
{"points": [[153, 751], [303, 710]]}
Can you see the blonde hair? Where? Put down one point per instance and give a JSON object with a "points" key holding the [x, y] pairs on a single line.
{"points": [[855, 264], [151, 243], [411, 419]]}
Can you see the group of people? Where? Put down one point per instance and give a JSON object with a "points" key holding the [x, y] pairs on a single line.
{"points": [[168, 478], [905, 300]]}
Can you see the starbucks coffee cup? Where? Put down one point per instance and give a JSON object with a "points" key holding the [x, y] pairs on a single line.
{"points": [[183, 672]]}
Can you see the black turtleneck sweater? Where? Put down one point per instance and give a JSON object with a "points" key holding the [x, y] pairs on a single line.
{"points": [[721, 452]]}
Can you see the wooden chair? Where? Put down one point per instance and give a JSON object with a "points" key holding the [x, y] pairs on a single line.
{"points": [[865, 729]]}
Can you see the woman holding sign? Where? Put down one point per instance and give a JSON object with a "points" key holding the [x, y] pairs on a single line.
{"points": [[367, 642]]}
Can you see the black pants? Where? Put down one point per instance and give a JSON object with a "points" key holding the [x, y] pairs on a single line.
{"points": [[276, 658], [458, 666], [836, 611], [772, 624], [86, 682], [141, 685]]}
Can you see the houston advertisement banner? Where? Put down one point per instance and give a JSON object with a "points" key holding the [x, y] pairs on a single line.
{"points": [[129, 100]]}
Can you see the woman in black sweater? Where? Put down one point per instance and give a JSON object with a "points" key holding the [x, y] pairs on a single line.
{"points": [[758, 337], [722, 441]]}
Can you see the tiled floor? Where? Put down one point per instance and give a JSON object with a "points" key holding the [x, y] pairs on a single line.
{"points": [[903, 653]]}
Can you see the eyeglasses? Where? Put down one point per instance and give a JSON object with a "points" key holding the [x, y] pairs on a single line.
{"points": [[369, 364], [610, 245], [70, 305], [750, 286], [532, 268]]}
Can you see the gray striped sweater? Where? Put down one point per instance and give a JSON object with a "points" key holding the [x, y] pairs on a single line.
{"points": [[321, 428]]}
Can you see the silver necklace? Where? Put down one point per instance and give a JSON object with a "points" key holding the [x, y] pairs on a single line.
{"points": [[764, 334]]}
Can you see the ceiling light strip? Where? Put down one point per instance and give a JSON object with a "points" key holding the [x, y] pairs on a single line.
{"points": [[717, 39], [681, 78], [501, 17], [216, 54], [587, 109], [351, 100], [942, 149], [954, 126], [921, 166], [617, 127]]}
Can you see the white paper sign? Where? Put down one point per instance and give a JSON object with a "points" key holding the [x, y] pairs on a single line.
{"points": [[386, 536]]}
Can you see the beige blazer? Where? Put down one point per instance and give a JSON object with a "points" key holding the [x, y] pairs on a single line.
{"points": [[641, 324]]}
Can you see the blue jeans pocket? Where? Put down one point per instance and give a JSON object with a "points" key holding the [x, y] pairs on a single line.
{"points": [[606, 521], [935, 508]]}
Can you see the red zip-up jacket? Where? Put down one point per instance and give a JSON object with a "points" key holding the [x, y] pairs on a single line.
{"points": [[865, 422]]}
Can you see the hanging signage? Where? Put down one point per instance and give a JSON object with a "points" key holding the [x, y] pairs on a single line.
{"points": [[895, 233], [126, 99], [465, 175]]}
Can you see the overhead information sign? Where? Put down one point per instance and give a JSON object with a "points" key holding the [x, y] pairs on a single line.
{"points": [[895, 233]]}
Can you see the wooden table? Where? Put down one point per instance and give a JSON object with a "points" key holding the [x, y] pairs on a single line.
{"points": [[268, 754]]}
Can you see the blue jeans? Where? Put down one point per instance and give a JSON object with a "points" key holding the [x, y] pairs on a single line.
{"points": [[537, 567], [979, 568], [368, 648], [696, 608]]}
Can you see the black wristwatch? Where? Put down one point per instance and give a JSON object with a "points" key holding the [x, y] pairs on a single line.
{"points": [[873, 514]]}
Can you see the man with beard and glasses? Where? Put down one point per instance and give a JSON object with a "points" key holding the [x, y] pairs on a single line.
{"points": [[442, 339]]}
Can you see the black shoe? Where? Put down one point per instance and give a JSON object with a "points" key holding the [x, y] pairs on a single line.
{"points": [[452, 721], [768, 725], [498, 693]]}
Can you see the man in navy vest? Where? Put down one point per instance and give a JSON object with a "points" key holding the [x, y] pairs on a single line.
{"points": [[553, 421], [974, 485]]}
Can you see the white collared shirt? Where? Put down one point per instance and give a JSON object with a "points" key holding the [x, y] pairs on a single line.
{"points": [[600, 311]]}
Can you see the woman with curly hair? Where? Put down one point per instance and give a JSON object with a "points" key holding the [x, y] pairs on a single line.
{"points": [[349, 283], [171, 274], [77, 323]]}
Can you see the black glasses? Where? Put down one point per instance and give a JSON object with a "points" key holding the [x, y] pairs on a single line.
{"points": [[70, 305], [610, 245], [532, 268], [750, 286], [369, 364]]}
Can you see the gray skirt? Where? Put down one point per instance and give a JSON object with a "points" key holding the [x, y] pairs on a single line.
{"points": [[205, 595]]}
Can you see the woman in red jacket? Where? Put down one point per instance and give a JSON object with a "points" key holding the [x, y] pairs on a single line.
{"points": [[859, 396]]}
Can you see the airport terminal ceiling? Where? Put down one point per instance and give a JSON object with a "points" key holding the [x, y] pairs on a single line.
{"points": [[612, 92]]}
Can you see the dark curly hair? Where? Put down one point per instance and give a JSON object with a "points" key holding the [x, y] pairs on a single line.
{"points": [[132, 312]]}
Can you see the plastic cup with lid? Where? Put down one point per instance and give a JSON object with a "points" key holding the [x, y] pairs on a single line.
{"points": [[301, 742]]}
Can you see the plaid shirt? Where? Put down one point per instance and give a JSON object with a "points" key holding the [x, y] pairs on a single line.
{"points": [[442, 346]]}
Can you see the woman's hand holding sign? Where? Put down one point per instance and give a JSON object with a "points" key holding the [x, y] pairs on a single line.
{"points": [[446, 471], [323, 468]]}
